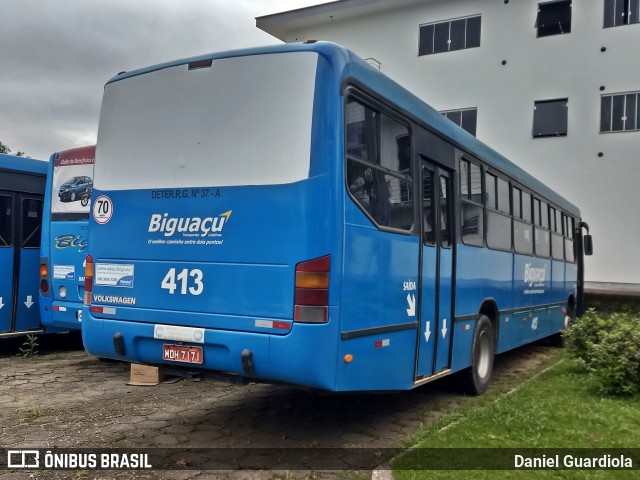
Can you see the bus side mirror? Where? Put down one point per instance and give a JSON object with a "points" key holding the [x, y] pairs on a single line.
{"points": [[588, 245]]}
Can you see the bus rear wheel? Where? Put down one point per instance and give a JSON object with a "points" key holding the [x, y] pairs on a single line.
{"points": [[478, 376]]}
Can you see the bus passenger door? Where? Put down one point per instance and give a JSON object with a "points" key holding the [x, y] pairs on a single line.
{"points": [[27, 242], [434, 340], [7, 259]]}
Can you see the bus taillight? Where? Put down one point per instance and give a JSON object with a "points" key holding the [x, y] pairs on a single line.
{"points": [[312, 291], [88, 279], [44, 277]]}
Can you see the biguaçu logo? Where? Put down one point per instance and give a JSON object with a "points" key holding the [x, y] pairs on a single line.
{"points": [[188, 226], [69, 240], [534, 275]]}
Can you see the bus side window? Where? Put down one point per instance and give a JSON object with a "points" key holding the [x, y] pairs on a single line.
{"points": [[472, 212], [6, 221], [379, 166], [31, 222]]}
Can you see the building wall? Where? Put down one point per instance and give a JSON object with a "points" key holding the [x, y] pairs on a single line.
{"points": [[570, 65]]}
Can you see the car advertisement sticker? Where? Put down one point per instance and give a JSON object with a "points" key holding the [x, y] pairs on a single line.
{"points": [[72, 181]]}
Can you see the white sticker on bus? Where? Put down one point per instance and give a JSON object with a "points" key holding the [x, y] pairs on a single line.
{"points": [[102, 209], [114, 275]]}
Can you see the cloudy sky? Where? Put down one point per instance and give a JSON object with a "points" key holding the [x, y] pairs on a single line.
{"points": [[56, 55]]}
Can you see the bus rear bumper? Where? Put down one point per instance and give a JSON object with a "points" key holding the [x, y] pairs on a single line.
{"points": [[297, 358], [65, 315]]}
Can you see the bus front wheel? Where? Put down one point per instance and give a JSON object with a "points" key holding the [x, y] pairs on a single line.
{"points": [[478, 376]]}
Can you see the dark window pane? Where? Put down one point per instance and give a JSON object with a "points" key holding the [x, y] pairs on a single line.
{"points": [[490, 188], [550, 118], [469, 120], [536, 212], [397, 209], [630, 112], [544, 215], [464, 179], [427, 208], [6, 221], [617, 123], [605, 114], [523, 238], [609, 13], [526, 207], [441, 38], [426, 40], [542, 242], [557, 247], [473, 32], [554, 18], [471, 223], [445, 231], [31, 222], [457, 34], [455, 117], [516, 203], [634, 14], [362, 132], [620, 12], [476, 183], [568, 250], [503, 196], [552, 219], [498, 231], [393, 153]]}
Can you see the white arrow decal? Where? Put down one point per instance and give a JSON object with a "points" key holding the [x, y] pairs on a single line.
{"points": [[444, 328], [29, 301], [1, 304], [427, 331], [411, 300]]}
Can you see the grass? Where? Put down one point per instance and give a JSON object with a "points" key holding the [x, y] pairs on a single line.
{"points": [[557, 409]]}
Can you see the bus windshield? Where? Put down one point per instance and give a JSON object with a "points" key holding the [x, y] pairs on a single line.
{"points": [[232, 122]]}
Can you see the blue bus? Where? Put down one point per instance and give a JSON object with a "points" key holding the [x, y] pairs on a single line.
{"points": [[22, 182], [64, 239], [290, 214]]}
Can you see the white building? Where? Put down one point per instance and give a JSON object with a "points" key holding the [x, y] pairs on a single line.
{"points": [[551, 84]]}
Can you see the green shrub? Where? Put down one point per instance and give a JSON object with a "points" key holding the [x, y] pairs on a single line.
{"points": [[608, 345]]}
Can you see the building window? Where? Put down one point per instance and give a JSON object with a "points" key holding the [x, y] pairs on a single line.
{"points": [[449, 36], [550, 118], [466, 118], [619, 112], [554, 18], [621, 12]]}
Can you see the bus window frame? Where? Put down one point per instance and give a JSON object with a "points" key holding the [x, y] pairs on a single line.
{"points": [[382, 108]]}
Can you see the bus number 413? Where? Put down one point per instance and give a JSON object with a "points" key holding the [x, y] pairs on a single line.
{"points": [[169, 281]]}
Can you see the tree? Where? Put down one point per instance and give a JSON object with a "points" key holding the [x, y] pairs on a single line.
{"points": [[6, 149]]}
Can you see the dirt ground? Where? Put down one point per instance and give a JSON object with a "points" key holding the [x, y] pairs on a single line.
{"points": [[63, 398]]}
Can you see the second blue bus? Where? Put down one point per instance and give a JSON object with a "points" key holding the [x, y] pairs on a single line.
{"points": [[64, 239]]}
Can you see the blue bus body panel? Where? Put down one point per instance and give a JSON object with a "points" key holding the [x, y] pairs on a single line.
{"points": [[67, 249]]}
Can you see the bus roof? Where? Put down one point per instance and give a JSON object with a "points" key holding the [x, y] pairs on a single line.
{"points": [[349, 65], [23, 164]]}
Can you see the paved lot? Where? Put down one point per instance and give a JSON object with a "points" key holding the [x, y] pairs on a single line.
{"points": [[70, 400]]}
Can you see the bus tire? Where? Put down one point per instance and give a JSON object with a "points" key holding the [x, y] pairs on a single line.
{"points": [[478, 376]]}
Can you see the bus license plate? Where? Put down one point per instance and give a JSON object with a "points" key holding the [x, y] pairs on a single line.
{"points": [[181, 353]]}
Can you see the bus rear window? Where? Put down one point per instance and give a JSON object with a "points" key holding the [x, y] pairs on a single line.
{"points": [[242, 121]]}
